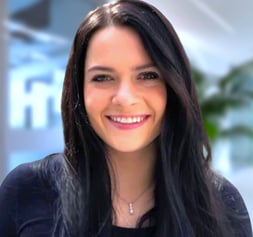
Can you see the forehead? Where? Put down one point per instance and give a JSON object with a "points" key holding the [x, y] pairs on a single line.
{"points": [[118, 43]]}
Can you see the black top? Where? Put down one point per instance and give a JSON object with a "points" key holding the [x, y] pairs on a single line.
{"points": [[27, 206]]}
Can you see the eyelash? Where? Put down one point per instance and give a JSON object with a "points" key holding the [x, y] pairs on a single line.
{"points": [[101, 78], [143, 76], [148, 76]]}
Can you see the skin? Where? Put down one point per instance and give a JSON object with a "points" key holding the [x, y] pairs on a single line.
{"points": [[122, 83]]}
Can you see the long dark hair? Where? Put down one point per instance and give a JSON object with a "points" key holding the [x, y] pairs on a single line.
{"points": [[185, 197]]}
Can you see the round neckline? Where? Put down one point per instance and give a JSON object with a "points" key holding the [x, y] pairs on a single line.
{"points": [[132, 229]]}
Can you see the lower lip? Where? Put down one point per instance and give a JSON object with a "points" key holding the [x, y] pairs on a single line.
{"points": [[127, 126]]}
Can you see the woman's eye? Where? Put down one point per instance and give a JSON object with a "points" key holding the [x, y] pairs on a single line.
{"points": [[148, 76], [101, 78]]}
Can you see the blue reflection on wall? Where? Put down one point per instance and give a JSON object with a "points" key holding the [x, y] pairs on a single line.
{"points": [[41, 34], [35, 98]]}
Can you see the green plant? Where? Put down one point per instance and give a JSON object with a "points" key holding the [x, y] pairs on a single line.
{"points": [[229, 93]]}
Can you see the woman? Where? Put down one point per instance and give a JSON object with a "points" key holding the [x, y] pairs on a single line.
{"points": [[136, 158]]}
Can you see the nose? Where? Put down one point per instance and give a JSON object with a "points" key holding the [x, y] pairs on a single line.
{"points": [[126, 94]]}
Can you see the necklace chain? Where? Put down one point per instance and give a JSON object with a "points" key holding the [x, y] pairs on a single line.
{"points": [[131, 203]]}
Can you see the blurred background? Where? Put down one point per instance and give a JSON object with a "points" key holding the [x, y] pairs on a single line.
{"points": [[35, 40]]}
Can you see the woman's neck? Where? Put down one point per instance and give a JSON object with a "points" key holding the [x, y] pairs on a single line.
{"points": [[132, 176], [131, 172]]}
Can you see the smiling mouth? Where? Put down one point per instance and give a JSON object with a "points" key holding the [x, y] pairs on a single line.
{"points": [[128, 119]]}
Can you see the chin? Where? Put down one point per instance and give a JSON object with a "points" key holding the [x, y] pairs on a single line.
{"points": [[128, 148]]}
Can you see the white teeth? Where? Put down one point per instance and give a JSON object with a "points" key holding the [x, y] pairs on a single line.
{"points": [[127, 120]]}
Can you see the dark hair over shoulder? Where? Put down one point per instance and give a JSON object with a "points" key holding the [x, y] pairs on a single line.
{"points": [[186, 203]]}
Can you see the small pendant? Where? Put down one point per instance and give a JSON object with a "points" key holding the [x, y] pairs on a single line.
{"points": [[131, 208]]}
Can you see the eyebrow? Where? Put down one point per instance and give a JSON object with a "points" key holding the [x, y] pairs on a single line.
{"points": [[100, 68], [109, 69], [148, 65]]}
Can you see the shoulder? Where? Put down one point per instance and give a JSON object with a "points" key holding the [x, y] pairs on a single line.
{"points": [[28, 197], [230, 195], [234, 206], [32, 181], [33, 174]]}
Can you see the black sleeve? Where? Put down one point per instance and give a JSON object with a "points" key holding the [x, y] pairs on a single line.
{"points": [[8, 202], [27, 203], [237, 211]]}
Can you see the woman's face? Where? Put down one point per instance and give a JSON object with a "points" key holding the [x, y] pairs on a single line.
{"points": [[124, 93]]}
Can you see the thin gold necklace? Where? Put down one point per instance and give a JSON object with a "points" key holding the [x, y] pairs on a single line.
{"points": [[131, 203]]}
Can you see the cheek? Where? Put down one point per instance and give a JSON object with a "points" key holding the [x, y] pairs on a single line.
{"points": [[160, 100], [92, 108], [89, 100], [95, 100]]}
